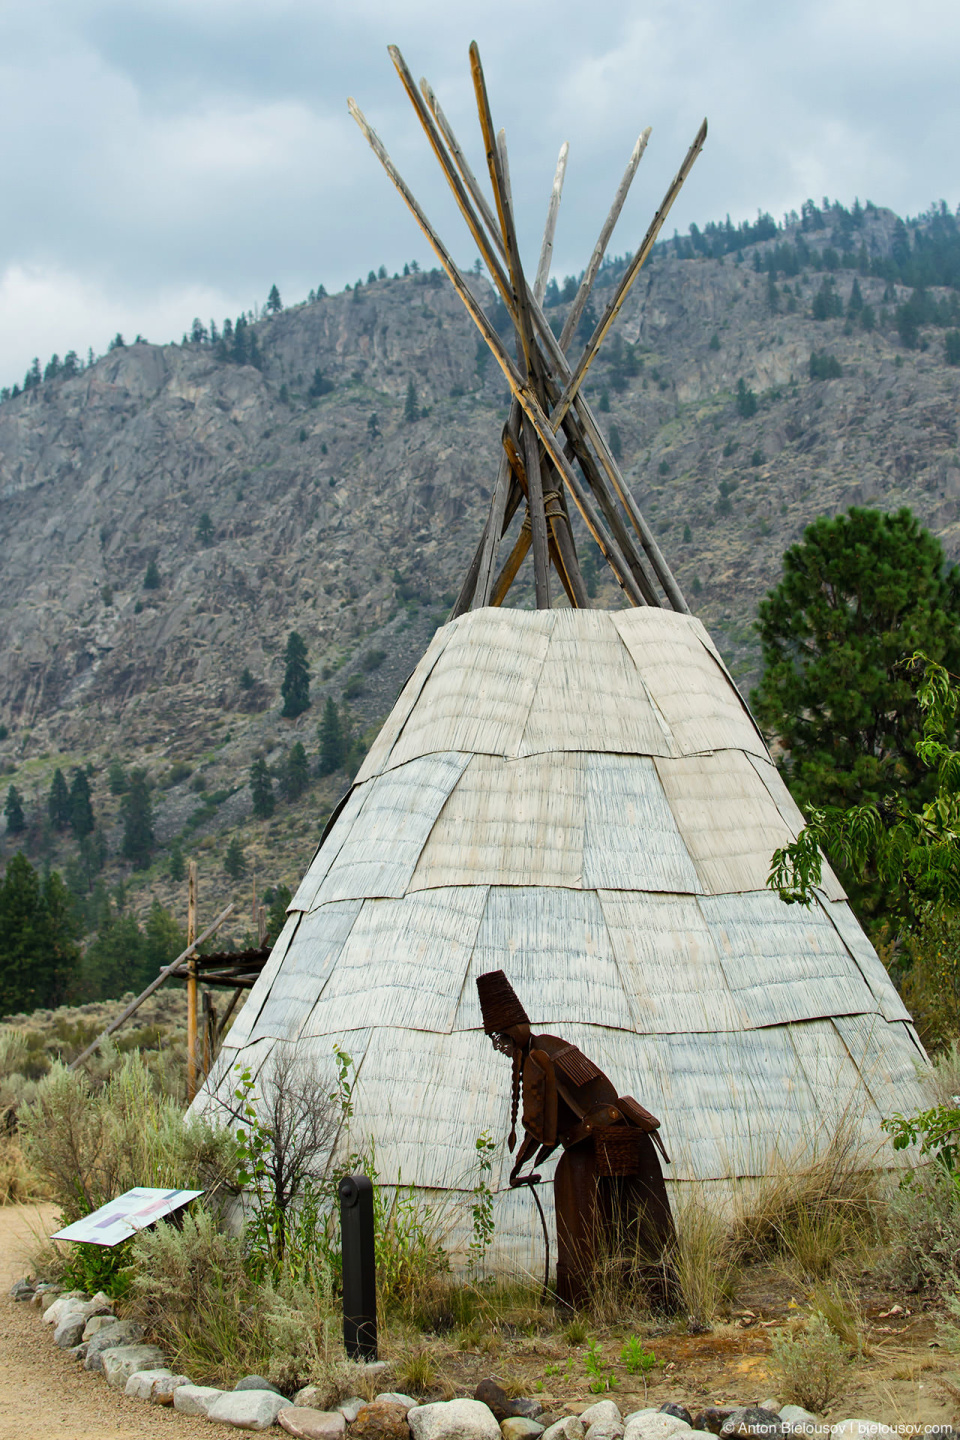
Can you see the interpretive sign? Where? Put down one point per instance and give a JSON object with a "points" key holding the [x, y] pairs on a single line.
{"points": [[134, 1210]]}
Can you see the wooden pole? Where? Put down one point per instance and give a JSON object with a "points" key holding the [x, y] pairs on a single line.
{"points": [[191, 981], [555, 349], [600, 249], [518, 385], [631, 273], [546, 248], [134, 1005]]}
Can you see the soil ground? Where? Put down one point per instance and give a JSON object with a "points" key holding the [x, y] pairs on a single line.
{"points": [[904, 1377]]}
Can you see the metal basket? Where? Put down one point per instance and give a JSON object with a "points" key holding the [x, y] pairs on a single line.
{"points": [[617, 1149]]}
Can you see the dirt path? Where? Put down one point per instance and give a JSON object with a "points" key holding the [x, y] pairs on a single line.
{"points": [[44, 1393]]}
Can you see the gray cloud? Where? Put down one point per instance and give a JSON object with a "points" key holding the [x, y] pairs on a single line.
{"points": [[172, 157]]}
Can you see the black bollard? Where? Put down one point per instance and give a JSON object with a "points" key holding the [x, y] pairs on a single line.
{"points": [[359, 1268]]}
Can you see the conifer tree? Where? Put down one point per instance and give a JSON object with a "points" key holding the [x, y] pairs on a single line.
{"points": [[151, 580], [136, 808], [332, 742], [274, 303], [39, 938], [13, 810], [235, 861], [296, 679], [411, 410], [296, 773], [176, 868], [746, 400], [261, 789], [58, 802], [81, 810]]}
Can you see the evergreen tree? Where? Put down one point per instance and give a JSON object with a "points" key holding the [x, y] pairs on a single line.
{"points": [[113, 962], [296, 679], [205, 531], [616, 444], [58, 802], [81, 810], [235, 861], [855, 303], [274, 303], [277, 900], [176, 868], [319, 385], [952, 347], [13, 810], [333, 750], [261, 789], [136, 808], [151, 580], [116, 778], [40, 953], [746, 400], [247, 681], [411, 410], [859, 595], [296, 773]]}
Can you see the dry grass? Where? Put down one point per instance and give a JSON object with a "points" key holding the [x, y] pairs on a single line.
{"points": [[19, 1182], [817, 1210], [705, 1260]]}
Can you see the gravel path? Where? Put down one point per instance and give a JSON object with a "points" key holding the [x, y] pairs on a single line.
{"points": [[44, 1394]]}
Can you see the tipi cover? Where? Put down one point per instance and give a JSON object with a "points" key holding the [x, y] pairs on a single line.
{"points": [[581, 799]]}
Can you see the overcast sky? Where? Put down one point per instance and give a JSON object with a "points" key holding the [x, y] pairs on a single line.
{"points": [[169, 158]]}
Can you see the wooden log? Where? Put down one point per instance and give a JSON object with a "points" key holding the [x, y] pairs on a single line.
{"points": [[521, 389], [134, 1005], [630, 274], [513, 562], [600, 249], [463, 165]]}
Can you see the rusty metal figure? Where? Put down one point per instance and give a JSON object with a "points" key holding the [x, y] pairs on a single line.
{"points": [[610, 1199]]}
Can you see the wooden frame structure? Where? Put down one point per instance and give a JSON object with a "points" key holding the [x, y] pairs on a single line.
{"points": [[554, 452]]}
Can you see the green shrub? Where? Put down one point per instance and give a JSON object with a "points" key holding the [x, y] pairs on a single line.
{"points": [[924, 1228], [809, 1365], [88, 1146]]}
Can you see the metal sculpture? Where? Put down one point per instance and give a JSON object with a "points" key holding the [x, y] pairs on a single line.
{"points": [[610, 1198]]}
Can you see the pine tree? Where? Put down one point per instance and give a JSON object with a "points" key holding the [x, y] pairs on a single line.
{"points": [[58, 802], [746, 401], [296, 679], [247, 681], [296, 773], [205, 531], [151, 580], [616, 444], [278, 900], [235, 861], [261, 789], [859, 595], [411, 410], [81, 810], [176, 868], [136, 808], [13, 810], [332, 741], [117, 778], [274, 303], [39, 938]]}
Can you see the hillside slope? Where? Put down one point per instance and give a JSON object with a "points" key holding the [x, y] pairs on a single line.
{"points": [[335, 515]]}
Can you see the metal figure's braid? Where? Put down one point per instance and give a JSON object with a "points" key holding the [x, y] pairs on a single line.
{"points": [[515, 1101]]}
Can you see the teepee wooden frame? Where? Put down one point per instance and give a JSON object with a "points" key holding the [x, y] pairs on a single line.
{"points": [[553, 447]]}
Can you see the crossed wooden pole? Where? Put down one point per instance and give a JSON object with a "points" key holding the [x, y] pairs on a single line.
{"points": [[553, 448]]}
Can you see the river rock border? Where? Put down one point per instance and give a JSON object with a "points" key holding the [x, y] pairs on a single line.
{"points": [[88, 1329]]}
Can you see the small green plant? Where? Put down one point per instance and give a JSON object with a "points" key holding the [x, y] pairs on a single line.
{"points": [[935, 1131], [597, 1368], [96, 1267], [575, 1331], [637, 1360], [482, 1208]]}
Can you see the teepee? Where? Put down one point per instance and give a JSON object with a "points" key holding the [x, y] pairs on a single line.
{"points": [[582, 799]]}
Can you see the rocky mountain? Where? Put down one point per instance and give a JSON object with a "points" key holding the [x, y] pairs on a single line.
{"points": [[339, 487]]}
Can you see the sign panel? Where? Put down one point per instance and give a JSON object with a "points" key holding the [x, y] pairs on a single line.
{"points": [[123, 1217]]}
